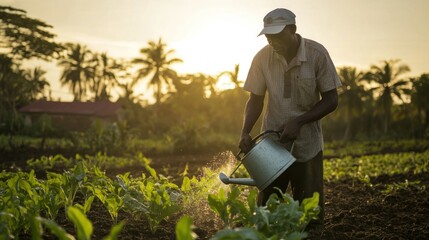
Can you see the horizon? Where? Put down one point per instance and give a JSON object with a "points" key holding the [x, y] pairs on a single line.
{"points": [[212, 37]]}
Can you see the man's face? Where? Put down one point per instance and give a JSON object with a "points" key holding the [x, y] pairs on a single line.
{"points": [[281, 42]]}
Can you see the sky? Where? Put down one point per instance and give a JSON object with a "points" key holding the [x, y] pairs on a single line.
{"points": [[212, 36]]}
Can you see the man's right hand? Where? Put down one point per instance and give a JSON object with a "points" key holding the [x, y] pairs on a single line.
{"points": [[245, 142]]}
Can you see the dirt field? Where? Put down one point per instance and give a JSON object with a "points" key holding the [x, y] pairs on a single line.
{"points": [[353, 209]]}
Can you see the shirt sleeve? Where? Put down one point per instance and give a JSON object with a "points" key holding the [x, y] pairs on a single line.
{"points": [[327, 77], [255, 81]]}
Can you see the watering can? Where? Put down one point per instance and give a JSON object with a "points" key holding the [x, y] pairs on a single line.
{"points": [[265, 162]]}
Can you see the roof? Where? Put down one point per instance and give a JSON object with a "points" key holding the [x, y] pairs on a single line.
{"points": [[103, 108]]}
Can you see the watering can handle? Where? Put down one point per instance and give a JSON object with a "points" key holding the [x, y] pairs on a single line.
{"points": [[237, 156], [254, 140], [267, 132], [278, 134]]}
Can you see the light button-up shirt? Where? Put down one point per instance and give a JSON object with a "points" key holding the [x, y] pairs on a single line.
{"points": [[293, 89]]}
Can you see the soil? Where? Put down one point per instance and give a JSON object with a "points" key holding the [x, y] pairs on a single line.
{"points": [[353, 210]]}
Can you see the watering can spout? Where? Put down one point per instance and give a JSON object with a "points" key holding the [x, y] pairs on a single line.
{"points": [[242, 181]]}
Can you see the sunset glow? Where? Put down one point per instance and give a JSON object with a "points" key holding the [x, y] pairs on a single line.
{"points": [[213, 36]]}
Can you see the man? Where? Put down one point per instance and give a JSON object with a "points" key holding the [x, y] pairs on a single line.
{"points": [[301, 80]]}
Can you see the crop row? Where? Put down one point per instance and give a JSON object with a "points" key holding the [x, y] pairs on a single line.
{"points": [[361, 148], [27, 202], [376, 165]]}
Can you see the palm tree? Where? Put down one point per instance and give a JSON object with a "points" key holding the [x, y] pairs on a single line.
{"points": [[420, 99], [233, 75], [37, 82], [123, 81], [157, 64], [351, 94], [387, 84], [78, 69], [207, 83], [193, 86], [210, 82], [105, 77]]}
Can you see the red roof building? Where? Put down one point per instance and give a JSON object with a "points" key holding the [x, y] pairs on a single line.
{"points": [[73, 115]]}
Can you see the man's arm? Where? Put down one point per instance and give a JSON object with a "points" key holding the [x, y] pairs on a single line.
{"points": [[253, 110], [326, 105]]}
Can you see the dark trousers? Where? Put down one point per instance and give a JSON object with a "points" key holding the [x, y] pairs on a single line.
{"points": [[304, 179]]}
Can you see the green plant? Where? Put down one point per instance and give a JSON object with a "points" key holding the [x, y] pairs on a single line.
{"points": [[52, 199], [365, 167], [109, 193], [20, 198], [111, 199], [54, 228], [195, 190], [230, 208], [71, 182], [49, 162], [281, 218], [154, 197], [184, 229], [83, 225], [394, 187], [244, 233]]}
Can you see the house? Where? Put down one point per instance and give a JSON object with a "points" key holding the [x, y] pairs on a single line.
{"points": [[75, 116]]}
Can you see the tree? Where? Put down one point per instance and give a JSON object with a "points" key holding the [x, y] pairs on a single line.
{"points": [[420, 99], [14, 88], [157, 63], [78, 69], [127, 83], [18, 86], [190, 87], [23, 37], [387, 84], [233, 75], [104, 79], [203, 85], [352, 94], [37, 83]]}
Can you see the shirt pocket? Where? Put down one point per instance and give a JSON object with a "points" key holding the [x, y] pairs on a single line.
{"points": [[305, 92]]}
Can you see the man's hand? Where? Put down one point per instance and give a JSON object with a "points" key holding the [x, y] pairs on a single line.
{"points": [[289, 130], [245, 142]]}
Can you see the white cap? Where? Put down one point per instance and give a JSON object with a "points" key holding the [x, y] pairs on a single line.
{"points": [[276, 20]]}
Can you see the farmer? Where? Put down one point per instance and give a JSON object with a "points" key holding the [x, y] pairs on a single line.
{"points": [[301, 80]]}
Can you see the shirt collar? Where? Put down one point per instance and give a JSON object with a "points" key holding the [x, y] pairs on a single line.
{"points": [[301, 55]]}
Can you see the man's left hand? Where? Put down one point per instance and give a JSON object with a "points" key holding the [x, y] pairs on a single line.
{"points": [[290, 130]]}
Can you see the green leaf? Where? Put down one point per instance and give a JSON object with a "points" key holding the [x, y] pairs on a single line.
{"points": [[124, 180], [311, 203], [88, 203], [55, 229], [186, 184], [81, 222], [114, 232], [184, 229], [296, 236], [152, 172], [239, 234], [36, 228], [251, 200], [134, 204], [80, 171], [217, 205]]}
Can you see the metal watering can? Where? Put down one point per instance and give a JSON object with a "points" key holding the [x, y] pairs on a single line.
{"points": [[265, 162]]}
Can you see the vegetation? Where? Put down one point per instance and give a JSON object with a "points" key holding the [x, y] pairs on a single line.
{"points": [[30, 204], [156, 62], [380, 128], [190, 113]]}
